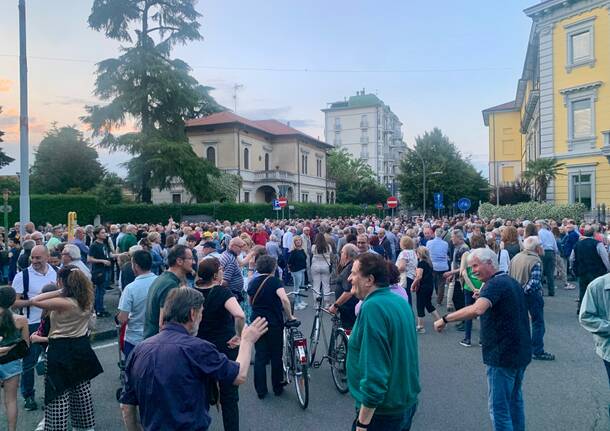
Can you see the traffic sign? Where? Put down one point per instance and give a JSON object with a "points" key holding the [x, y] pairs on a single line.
{"points": [[379, 206], [283, 201], [438, 205], [276, 205], [464, 204], [392, 202], [6, 208], [438, 197]]}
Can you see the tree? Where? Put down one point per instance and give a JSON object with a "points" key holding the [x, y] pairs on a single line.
{"points": [[63, 161], [355, 180], [513, 193], [458, 177], [9, 183], [541, 172], [225, 186], [4, 158], [109, 190], [146, 85]]}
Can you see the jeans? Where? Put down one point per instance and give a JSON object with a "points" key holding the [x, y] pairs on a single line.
{"points": [[29, 362], [100, 291], [269, 348], [439, 285], [399, 422], [505, 400], [583, 282], [535, 306], [127, 348], [298, 277], [286, 274], [229, 397], [468, 300], [548, 268]]}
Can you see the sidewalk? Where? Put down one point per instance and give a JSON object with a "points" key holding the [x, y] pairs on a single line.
{"points": [[105, 327]]}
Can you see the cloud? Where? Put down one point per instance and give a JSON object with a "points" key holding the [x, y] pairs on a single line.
{"points": [[5, 85], [264, 113], [66, 101]]}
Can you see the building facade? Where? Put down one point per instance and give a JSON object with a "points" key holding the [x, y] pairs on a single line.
{"points": [[368, 129], [272, 159], [563, 98]]}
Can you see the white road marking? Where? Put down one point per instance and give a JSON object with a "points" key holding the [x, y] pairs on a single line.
{"points": [[103, 346]]}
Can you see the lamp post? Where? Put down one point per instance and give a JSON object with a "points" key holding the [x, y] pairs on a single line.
{"points": [[498, 166], [423, 163]]}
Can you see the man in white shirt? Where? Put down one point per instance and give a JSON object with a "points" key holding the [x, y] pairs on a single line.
{"points": [[28, 284]]}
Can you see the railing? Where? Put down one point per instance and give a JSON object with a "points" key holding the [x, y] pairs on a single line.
{"points": [[364, 124], [276, 175]]}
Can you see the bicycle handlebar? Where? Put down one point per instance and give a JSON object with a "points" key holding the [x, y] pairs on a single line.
{"points": [[292, 323], [317, 292], [296, 294]]}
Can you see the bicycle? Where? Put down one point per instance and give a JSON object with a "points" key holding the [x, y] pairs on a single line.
{"points": [[295, 358], [336, 349]]}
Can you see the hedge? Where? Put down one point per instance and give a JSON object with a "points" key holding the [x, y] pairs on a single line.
{"points": [[533, 211], [54, 208], [144, 213]]}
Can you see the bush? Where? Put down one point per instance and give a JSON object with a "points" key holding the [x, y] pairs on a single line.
{"points": [[144, 213], [533, 211], [54, 208]]}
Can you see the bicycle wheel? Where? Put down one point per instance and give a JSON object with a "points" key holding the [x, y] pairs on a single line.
{"points": [[314, 338], [338, 366], [301, 380], [286, 356]]}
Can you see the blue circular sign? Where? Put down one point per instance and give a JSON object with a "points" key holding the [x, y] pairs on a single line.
{"points": [[464, 204]]}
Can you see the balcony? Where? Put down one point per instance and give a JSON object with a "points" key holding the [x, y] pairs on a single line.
{"points": [[275, 175], [338, 127]]}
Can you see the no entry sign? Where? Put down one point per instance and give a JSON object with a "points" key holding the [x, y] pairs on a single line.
{"points": [[282, 201], [392, 202]]}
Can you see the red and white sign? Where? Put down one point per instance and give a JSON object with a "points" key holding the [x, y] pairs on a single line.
{"points": [[282, 201], [379, 206], [392, 202]]}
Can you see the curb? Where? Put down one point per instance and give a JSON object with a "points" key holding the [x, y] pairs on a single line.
{"points": [[103, 335]]}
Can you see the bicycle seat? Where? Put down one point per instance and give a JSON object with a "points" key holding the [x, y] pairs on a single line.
{"points": [[292, 323]]}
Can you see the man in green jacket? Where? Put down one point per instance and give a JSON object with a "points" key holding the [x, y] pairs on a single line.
{"points": [[382, 365]]}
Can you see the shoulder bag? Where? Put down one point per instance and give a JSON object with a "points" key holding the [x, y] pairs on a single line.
{"points": [[259, 289]]}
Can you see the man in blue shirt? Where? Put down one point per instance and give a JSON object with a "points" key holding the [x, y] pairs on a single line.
{"points": [[439, 254], [168, 375], [132, 305], [506, 339], [549, 244]]}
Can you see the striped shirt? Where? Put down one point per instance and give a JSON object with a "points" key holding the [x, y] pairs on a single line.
{"points": [[231, 272]]}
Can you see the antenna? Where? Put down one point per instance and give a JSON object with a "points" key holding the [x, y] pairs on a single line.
{"points": [[236, 88]]}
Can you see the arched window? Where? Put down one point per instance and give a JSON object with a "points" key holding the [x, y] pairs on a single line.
{"points": [[266, 161], [210, 155], [246, 158]]}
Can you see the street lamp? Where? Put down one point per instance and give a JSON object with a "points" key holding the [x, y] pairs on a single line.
{"points": [[423, 163], [498, 166]]}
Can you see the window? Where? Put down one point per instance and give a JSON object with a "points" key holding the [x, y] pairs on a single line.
{"points": [[364, 136], [580, 44], [246, 158], [508, 174], [337, 138], [266, 161], [176, 198], [580, 107], [364, 121], [319, 198], [319, 167], [582, 189], [304, 164], [304, 197], [247, 197], [337, 123], [581, 119], [210, 155]]}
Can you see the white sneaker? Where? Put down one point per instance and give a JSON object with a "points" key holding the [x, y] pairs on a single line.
{"points": [[300, 306], [569, 286]]}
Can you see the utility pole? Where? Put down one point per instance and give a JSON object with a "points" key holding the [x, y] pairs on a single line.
{"points": [[236, 88], [24, 179]]}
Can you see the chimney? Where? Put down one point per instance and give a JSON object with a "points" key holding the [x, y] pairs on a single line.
{"points": [[288, 123], [363, 91]]}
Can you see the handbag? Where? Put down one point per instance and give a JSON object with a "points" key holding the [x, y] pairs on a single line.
{"points": [[259, 289], [41, 366], [20, 350]]}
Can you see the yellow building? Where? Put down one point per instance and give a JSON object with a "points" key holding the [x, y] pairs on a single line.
{"points": [[562, 106]]}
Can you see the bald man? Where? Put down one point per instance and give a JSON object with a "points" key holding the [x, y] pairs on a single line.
{"points": [[28, 284]]}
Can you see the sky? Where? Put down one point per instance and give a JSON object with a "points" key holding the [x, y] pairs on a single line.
{"points": [[436, 63]]}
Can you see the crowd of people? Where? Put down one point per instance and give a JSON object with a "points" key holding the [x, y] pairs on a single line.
{"points": [[198, 298]]}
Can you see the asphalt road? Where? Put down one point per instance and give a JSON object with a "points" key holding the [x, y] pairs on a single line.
{"points": [[570, 393]]}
